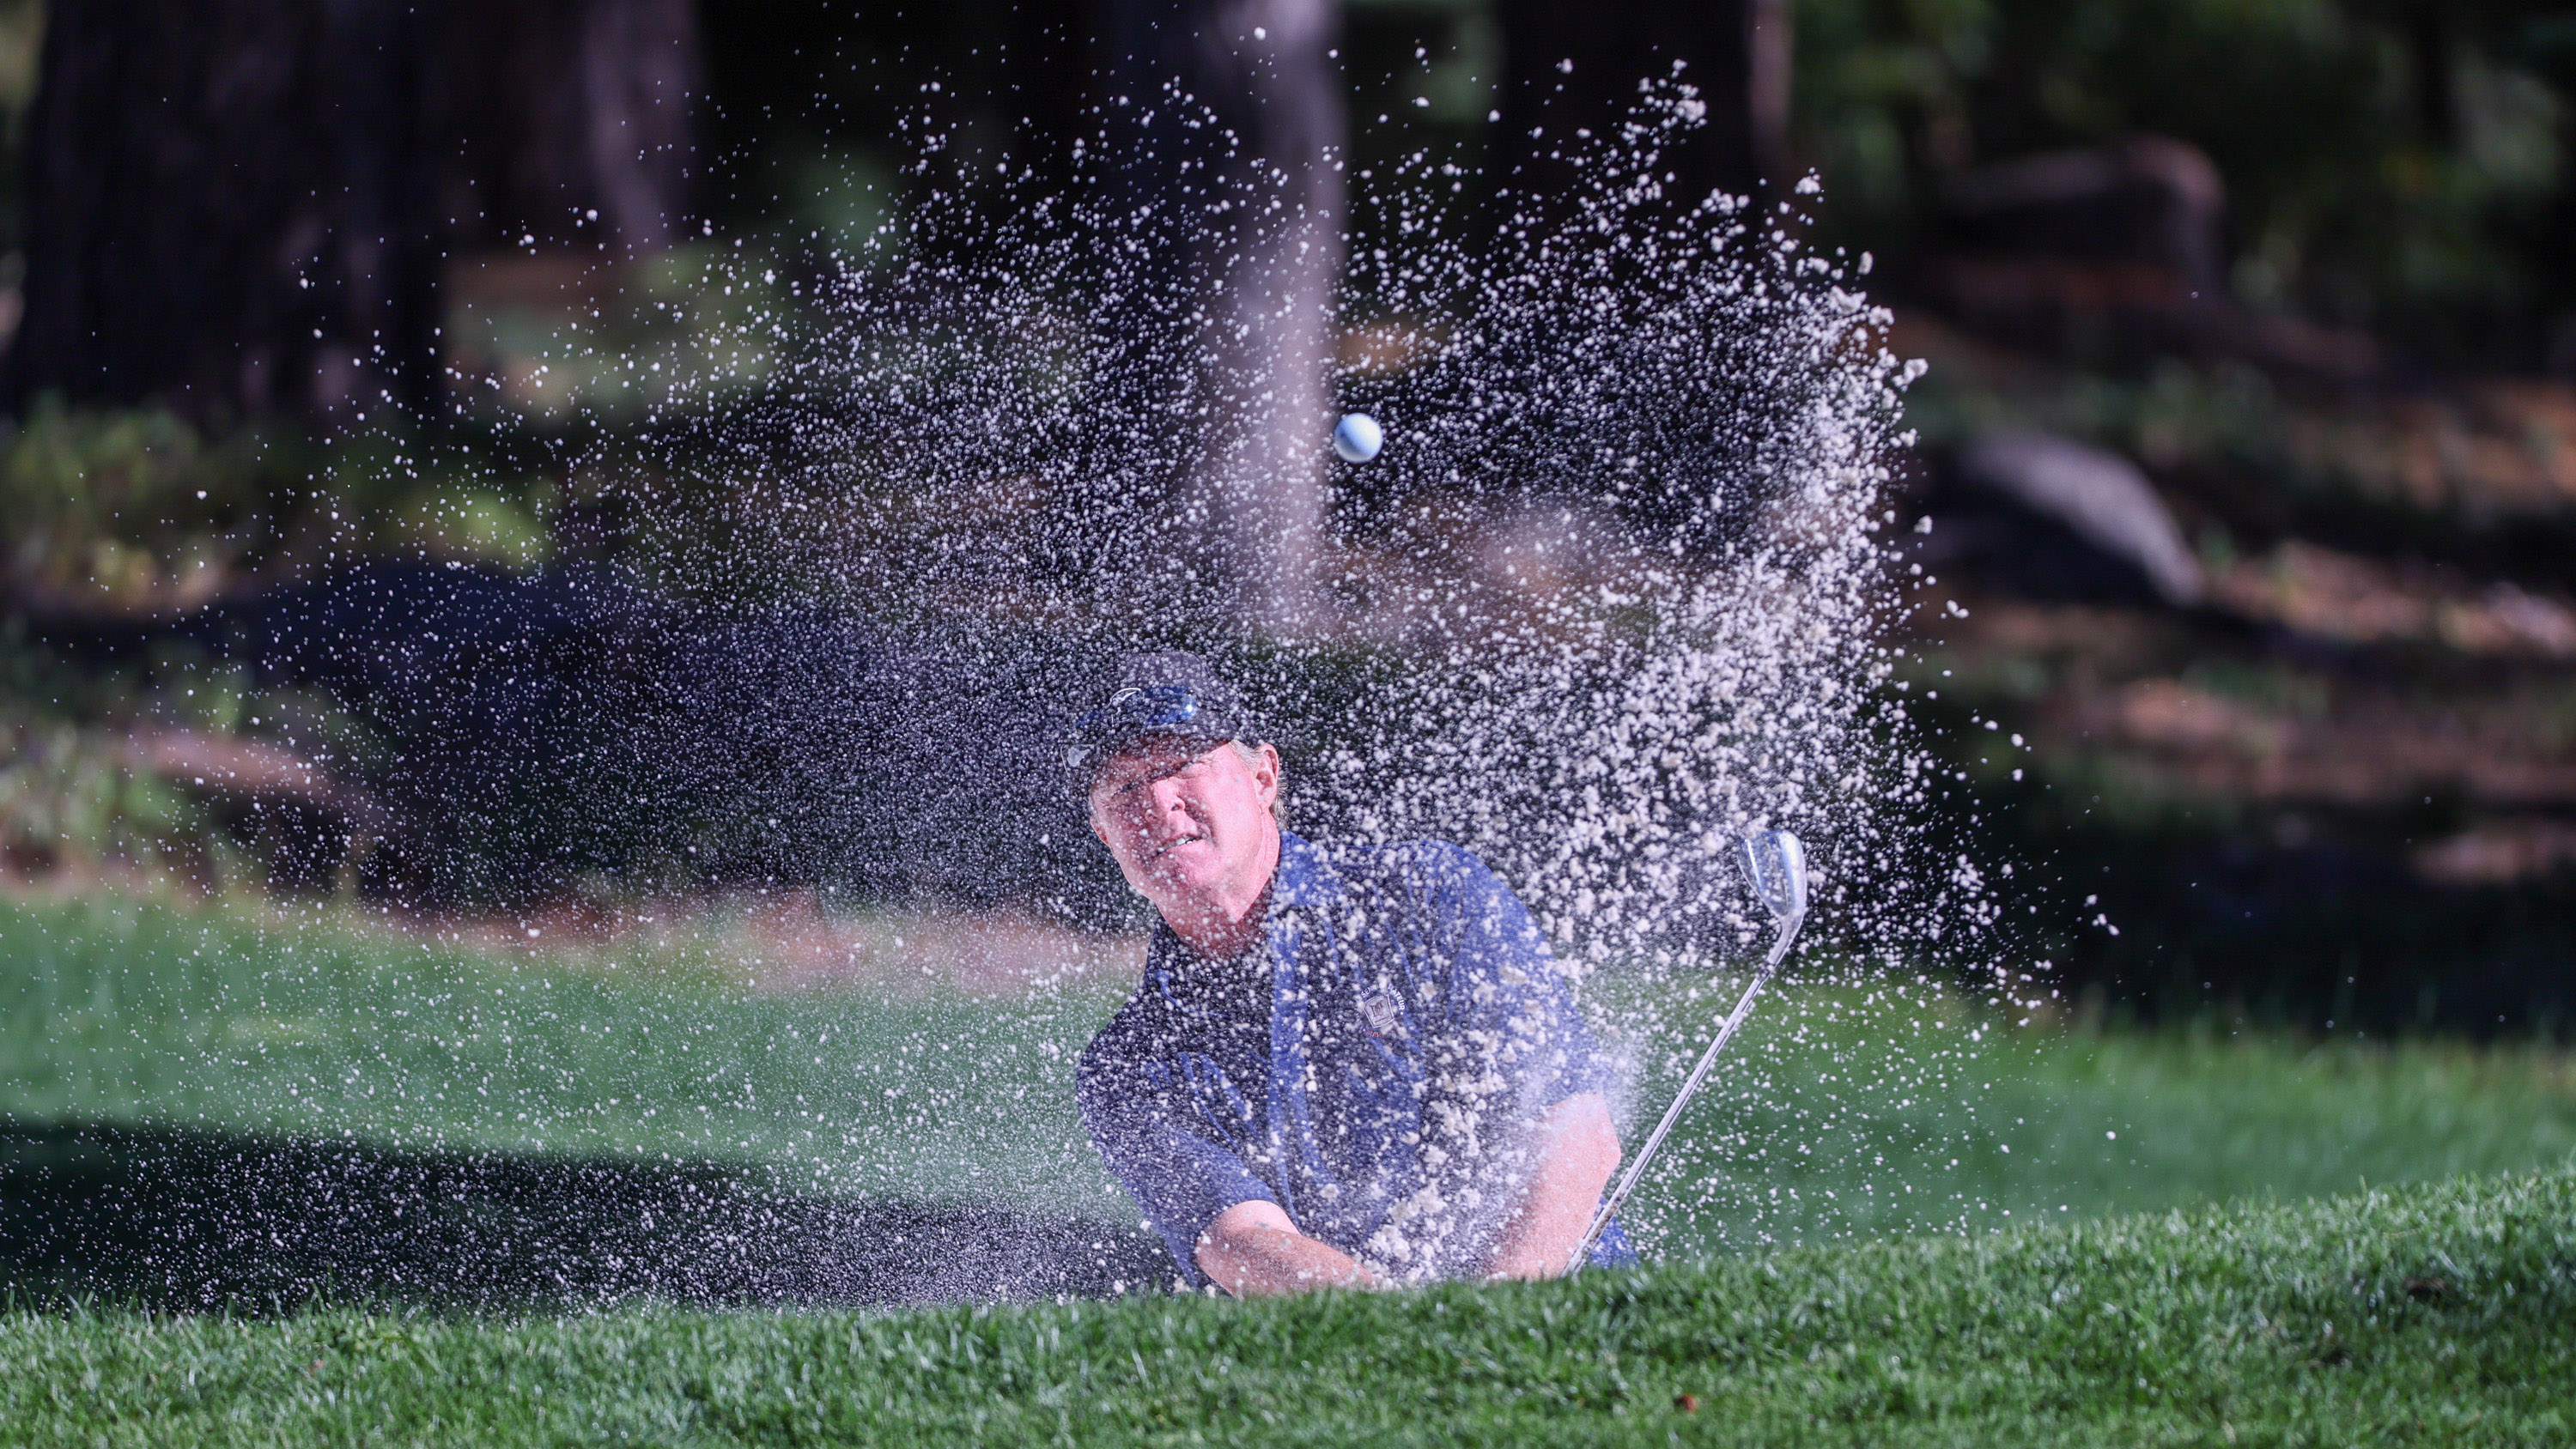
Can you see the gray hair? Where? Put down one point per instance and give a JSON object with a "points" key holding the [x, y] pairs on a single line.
{"points": [[1279, 797]]}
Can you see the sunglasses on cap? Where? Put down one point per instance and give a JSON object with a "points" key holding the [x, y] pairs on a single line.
{"points": [[1133, 711]]}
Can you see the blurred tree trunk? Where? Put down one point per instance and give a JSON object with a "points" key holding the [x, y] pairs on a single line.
{"points": [[241, 207], [565, 107], [1570, 67], [228, 206], [1261, 272]]}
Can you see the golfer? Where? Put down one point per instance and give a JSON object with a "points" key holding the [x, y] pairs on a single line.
{"points": [[1346, 1066]]}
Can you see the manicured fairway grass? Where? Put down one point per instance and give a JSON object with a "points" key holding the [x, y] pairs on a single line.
{"points": [[2436, 1315], [1842, 1117], [1840, 1112], [236, 1021]]}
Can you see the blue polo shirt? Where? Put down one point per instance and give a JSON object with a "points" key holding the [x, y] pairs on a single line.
{"points": [[1371, 1064]]}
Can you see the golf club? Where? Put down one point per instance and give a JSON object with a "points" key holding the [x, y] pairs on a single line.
{"points": [[1778, 869]]}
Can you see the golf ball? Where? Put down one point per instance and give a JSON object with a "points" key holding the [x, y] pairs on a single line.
{"points": [[1356, 438]]}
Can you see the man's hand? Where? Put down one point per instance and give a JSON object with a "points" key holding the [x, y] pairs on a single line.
{"points": [[1252, 1250], [1577, 1151]]}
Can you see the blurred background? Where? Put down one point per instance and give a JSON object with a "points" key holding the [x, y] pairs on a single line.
{"points": [[2249, 437], [2242, 482]]}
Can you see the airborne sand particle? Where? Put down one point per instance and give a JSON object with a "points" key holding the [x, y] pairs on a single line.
{"points": [[1614, 598]]}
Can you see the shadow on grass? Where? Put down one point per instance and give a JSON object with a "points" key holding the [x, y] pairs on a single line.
{"points": [[175, 1219]]}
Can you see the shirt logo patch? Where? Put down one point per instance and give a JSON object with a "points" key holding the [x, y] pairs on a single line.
{"points": [[1378, 1009]]}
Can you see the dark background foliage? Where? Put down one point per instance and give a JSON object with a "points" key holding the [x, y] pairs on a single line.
{"points": [[282, 411]]}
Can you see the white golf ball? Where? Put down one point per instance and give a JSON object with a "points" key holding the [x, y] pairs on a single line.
{"points": [[1356, 438]]}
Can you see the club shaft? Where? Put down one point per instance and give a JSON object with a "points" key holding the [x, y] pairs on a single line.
{"points": [[1655, 1139]]}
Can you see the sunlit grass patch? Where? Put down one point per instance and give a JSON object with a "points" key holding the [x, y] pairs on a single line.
{"points": [[1895, 1107], [227, 1021], [1839, 1112]]}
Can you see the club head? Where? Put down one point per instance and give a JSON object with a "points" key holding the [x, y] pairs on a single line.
{"points": [[1777, 866]]}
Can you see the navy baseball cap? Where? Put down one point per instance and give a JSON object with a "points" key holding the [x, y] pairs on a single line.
{"points": [[1172, 693]]}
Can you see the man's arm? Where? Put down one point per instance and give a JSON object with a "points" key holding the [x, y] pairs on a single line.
{"points": [[1577, 1150], [1252, 1250]]}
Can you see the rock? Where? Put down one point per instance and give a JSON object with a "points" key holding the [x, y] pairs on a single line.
{"points": [[2099, 497], [2149, 200], [2116, 254]]}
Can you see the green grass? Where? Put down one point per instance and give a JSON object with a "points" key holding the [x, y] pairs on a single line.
{"points": [[2431, 1315], [1841, 1112], [1789, 1298], [236, 1021], [1841, 1115]]}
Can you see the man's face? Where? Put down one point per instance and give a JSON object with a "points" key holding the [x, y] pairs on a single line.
{"points": [[1188, 822]]}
